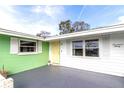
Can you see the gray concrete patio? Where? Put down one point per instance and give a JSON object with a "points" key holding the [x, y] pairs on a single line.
{"points": [[64, 77]]}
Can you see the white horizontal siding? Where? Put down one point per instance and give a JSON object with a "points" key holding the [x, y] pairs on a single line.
{"points": [[103, 64], [117, 53], [105, 46]]}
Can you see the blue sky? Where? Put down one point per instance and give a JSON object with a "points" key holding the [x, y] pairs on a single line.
{"points": [[34, 18]]}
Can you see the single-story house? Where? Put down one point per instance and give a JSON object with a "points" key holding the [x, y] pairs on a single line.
{"points": [[100, 50]]}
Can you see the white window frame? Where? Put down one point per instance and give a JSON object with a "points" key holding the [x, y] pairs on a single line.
{"points": [[98, 48], [26, 53], [84, 55], [72, 48]]}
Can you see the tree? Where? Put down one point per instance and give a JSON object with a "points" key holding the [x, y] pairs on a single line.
{"points": [[43, 34], [72, 30], [66, 26], [80, 26]]}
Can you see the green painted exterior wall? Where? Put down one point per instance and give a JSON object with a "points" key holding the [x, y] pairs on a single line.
{"points": [[17, 63]]}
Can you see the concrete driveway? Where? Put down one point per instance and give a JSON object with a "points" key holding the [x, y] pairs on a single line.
{"points": [[64, 77]]}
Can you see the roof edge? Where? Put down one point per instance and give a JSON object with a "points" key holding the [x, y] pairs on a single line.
{"points": [[19, 34], [105, 29]]}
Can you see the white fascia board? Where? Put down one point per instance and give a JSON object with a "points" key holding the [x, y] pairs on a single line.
{"points": [[104, 30], [96, 31], [19, 34]]}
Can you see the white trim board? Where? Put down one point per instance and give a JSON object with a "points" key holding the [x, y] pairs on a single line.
{"points": [[96, 31], [19, 34]]}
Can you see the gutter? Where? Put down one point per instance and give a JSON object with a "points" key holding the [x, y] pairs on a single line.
{"points": [[19, 34], [94, 31]]}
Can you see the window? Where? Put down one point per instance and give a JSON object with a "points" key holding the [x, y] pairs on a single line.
{"points": [[27, 46], [92, 48], [77, 48]]}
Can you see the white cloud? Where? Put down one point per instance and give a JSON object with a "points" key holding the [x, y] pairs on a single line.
{"points": [[37, 27], [121, 19], [54, 11], [9, 19], [51, 11], [37, 9]]}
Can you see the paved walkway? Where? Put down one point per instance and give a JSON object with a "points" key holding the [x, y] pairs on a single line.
{"points": [[63, 77]]}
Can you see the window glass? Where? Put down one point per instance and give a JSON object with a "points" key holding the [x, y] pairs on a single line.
{"points": [[77, 47], [92, 48], [27, 46]]}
